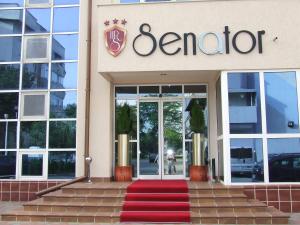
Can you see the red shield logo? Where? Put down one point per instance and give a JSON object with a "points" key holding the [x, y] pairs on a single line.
{"points": [[115, 40]]}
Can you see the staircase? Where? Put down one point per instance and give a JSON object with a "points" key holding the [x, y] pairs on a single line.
{"points": [[102, 202]]}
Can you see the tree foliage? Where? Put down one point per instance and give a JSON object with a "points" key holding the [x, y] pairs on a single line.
{"points": [[197, 119], [124, 121]]}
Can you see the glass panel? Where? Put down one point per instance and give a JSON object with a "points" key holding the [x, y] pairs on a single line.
{"points": [[32, 165], [195, 90], [37, 20], [38, 1], [11, 21], [246, 160], [125, 92], [61, 165], [34, 105], [33, 134], [10, 49], [9, 105], [244, 103], [172, 131], [284, 159], [188, 157], [220, 160], [11, 3], [63, 104], [219, 108], [37, 48], [189, 102], [62, 134], [149, 91], [9, 77], [149, 160], [8, 135], [61, 24], [129, 1], [132, 105], [66, 2], [8, 165], [281, 102], [65, 47], [171, 90], [64, 75], [35, 76]]}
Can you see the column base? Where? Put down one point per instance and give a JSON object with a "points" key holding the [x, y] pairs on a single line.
{"points": [[123, 173], [198, 173]]}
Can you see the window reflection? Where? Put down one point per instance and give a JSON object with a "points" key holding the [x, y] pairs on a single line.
{"points": [[35, 76], [11, 21], [10, 49], [66, 2], [61, 165], [281, 102], [64, 47], [8, 165], [125, 92], [11, 3], [284, 160], [37, 20], [244, 103], [63, 104], [62, 134], [61, 24], [246, 160], [9, 77], [32, 165], [9, 105], [64, 75], [33, 134], [8, 135]]}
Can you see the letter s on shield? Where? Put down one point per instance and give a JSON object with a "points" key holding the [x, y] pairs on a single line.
{"points": [[115, 40]]}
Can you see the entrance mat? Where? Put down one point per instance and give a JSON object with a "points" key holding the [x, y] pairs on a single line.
{"points": [[157, 201]]}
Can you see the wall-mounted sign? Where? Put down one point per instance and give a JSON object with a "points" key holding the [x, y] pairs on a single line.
{"points": [[115, 37]]}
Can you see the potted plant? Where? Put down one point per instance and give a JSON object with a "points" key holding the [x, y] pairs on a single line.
{"points": [[198, 169], [123, 171]]}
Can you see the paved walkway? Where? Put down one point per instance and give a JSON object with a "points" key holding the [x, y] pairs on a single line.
{"points": [[7, 206]]}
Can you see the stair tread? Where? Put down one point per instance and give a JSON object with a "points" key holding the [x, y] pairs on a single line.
{"points": [[56, 203], [62, 214], [240, 215], [90, 195]]}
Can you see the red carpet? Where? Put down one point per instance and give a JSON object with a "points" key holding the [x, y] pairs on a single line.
{"points": [[157, 201]]}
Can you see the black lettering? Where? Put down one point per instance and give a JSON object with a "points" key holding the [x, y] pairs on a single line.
{"points": [[185, 36], [148, 34], [259, 38], [252, 38], [162, 43], [226, 33]]}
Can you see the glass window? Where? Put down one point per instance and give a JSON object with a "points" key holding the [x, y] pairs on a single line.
{"points": [[188, 157], [66, 2], [34, 105], [8, 135], [7, 165], [36, 48], [9, 105], [281, 102], [220, 160], [62, 134], [129, 1], [246, 160], [61, 24], [65, 47], [32, 165], [219, 108], [284, 159], [149, 91], [37, 20], [35, 76], [9, 77], [63, 104], [11, 3], [125, 92], [133, 115], [244, 103], [195, 90], [171, 90], [61, 165], [10, 49], [38, 2], [33, 134], [64, 75], [11, 21]]}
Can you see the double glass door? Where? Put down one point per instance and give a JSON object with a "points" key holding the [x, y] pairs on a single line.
{"points": [[161, 154]]}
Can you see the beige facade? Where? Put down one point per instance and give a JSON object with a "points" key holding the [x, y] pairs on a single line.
{"points": [[281, 50]]}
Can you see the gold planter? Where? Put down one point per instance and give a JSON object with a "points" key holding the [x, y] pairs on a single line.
{"points": [[123, 153], [198, 150]]}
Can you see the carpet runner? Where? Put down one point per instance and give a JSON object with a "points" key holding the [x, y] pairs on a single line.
{"points": [[157, 201]]}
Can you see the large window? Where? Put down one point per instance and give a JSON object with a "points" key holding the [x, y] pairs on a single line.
{"points": [[38, 88]]}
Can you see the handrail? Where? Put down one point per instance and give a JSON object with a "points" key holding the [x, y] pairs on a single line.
{"points": [[54, 188]]}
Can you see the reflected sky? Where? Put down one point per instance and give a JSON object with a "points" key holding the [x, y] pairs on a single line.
{"points": [[61, 24], [66, 2], [69, 43], [64, 76], [37, 20]]}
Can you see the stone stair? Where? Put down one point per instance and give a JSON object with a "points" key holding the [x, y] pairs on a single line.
{"points": [[102, 202]]}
